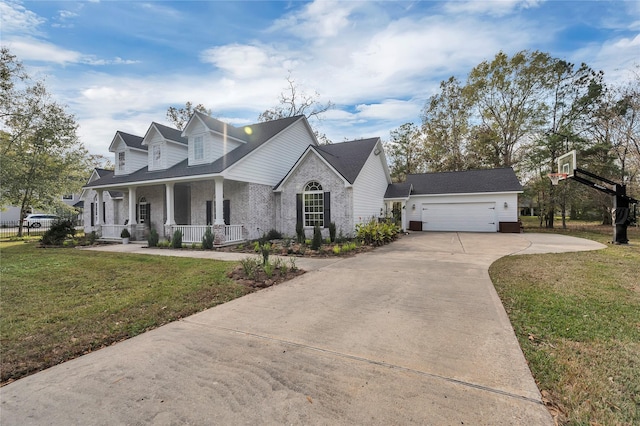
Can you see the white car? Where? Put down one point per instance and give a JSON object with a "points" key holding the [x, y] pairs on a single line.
{"points": [[37, 220]]}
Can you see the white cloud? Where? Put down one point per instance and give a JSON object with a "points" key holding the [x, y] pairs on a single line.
{"points": [[319, 19], [247, 61], [16, 19], [31, 49], [489, 7], [616, 57]]}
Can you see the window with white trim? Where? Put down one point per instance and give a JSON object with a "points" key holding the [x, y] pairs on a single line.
{"points": [[157, 155], [313, 199], [198, 148], [121, 157]]}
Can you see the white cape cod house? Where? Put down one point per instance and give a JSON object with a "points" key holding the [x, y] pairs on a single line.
{"points": [[240, 181]]}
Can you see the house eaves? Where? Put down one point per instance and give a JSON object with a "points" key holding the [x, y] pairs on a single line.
{"points": [[309, 151]]}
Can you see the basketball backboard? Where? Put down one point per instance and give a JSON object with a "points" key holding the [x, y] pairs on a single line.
{"points": [[567, 164]]}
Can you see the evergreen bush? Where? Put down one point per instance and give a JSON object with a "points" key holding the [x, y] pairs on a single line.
{"points": [[154, 238], [58, 232], [316, 243], [176, 241], [207, 239]]}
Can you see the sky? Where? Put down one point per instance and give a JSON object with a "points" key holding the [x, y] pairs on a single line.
{"points": [[119, 65]]}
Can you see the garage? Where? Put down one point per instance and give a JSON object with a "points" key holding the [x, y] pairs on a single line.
{"points": [[468, 217], [465, 201]]}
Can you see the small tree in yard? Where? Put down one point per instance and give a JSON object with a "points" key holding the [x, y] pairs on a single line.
{"points": [[59, 231], [332, 232], [300, 232], [316, 243], [176, 241], [41, 157], [207, 239]]}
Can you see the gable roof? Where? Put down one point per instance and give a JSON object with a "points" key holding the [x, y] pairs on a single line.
{"points": [[132, 141], [348, 158], [168, 133], [251, 133], [261, 133], [465, 182]]}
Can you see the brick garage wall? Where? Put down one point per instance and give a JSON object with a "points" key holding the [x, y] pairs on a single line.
{"points": [[312, 168], [261, 210]]}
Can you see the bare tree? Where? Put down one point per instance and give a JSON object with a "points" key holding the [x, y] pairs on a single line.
{"points": [[294, 101]]}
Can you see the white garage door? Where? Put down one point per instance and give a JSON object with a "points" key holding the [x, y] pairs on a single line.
{"points": [[471, 217]]}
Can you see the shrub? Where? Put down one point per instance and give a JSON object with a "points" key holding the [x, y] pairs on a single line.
{"points": [[207, 239], [268, 269], [154, 238], [376, 233], [60, 230], [300, 232], [317, 238], [250, 266], [92, 237], [125, 233], [265, 249], [176, 240], [332, 232], [273, 235], [336, 250]]}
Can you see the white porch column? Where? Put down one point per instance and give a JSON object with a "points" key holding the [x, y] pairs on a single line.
{"points": [[170, 204], [219, 215], [100, 220], [132, 205], [403, 209]]}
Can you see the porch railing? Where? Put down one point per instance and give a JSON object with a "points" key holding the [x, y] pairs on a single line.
{"points": [[111, 231], [194, 233]]}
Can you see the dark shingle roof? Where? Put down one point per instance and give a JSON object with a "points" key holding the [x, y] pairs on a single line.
{"points": [[261, 133], [132, 141], [103, 172], [469, 181], [170, 133], [398, 190], [348, 158]]}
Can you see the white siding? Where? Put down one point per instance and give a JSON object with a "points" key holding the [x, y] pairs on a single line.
{"points": [[369, 189], [268, 164], [135, 160], [215, 145], [171, 154]]}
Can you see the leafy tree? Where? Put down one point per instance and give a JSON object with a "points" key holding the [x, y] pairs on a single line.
{"points": [[294, 101], [42, 157], [574, 95], [180, 117], [445, 124], [406, 152], [508, 97]]}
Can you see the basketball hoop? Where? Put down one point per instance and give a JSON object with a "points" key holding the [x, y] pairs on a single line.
{"points": [[555, 177]]}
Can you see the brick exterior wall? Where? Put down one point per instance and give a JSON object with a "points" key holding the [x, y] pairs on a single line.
{"points": [[313, 168]]}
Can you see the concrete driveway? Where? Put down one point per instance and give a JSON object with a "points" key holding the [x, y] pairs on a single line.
{"points": [[411, 333]]}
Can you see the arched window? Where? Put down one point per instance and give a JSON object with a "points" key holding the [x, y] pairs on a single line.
{"points": [[313, 204], [143, 210]]}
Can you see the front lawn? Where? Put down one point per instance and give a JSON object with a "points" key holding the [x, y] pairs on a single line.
{"points": [[577, 317], [59, 303]]}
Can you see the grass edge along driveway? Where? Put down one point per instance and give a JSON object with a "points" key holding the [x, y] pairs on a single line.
{"points": [[577, 318], [58, 304]]}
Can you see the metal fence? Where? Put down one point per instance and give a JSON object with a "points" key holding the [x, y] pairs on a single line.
{"points": [[9, 229]]}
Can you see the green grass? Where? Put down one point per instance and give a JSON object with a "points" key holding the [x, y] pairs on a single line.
{"points": [[58, 304], [577, 318]]}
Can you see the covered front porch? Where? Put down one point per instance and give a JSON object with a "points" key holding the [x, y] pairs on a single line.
{"points": [[188, 207]]}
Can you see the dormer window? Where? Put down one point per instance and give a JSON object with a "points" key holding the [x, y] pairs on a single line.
{"points": [[198, 148], [121, 157], [157, 155]]}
